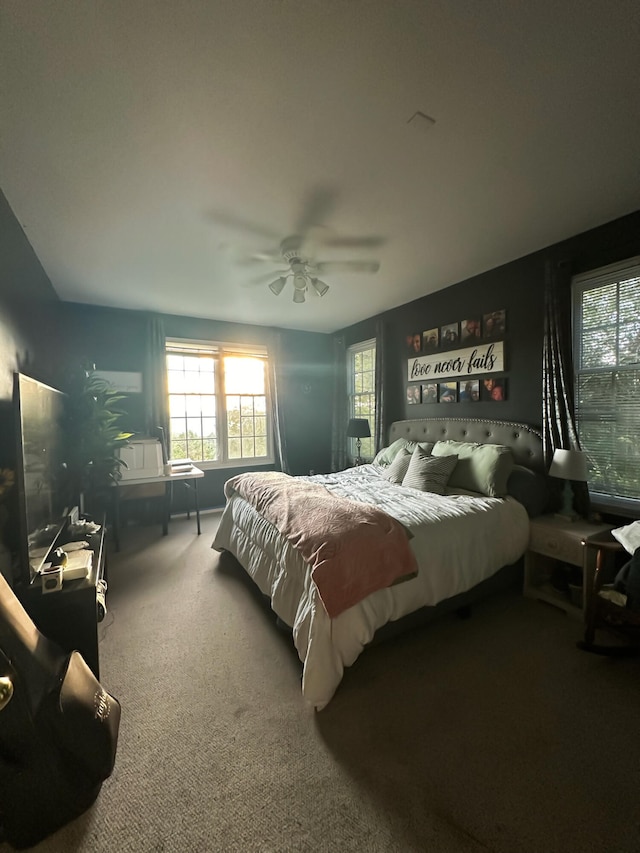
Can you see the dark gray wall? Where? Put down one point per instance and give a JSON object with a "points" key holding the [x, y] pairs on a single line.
{"points": [[28, 342], [115, 339], [28, 321], [518, 287]]}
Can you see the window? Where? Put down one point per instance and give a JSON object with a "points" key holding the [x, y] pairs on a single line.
{"points": [[607, 366], [361, 378], [219, 411]]}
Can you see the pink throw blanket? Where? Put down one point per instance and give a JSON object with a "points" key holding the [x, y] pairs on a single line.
{"points": [[353, 548]]}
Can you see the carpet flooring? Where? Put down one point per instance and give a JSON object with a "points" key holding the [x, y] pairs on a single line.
{"points": [[488, 734]]}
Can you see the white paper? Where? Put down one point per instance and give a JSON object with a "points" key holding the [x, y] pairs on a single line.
{"points": [[628, 536]]}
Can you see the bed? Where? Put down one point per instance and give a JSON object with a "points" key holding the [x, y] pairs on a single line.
{"points": [[458, 540]]}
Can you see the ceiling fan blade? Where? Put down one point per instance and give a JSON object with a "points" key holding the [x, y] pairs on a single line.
{"points": [[347, 266], [239, 223], [317, 207], [370, 242], [266, 277], [271, 255]]}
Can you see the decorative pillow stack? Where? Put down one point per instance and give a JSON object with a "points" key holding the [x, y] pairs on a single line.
{"points": [[429, 473], [386, 456], [483, 468]]}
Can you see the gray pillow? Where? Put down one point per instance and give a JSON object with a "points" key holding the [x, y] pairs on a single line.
{"points": [[398, 468], [481, 468], [530, 488], [386, 456], [429, 473]]}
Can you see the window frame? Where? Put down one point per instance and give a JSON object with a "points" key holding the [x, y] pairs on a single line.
{"points": [[620, 371], [218, 350], [352, 351]]}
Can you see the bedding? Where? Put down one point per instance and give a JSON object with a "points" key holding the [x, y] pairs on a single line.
{"points": [[458, 540], [353, 548]]}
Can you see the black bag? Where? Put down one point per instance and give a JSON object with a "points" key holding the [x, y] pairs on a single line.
{"points": [[58, 730], [628, 581]]}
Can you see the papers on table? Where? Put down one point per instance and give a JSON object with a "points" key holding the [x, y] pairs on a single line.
{"points": [[628, 536]]}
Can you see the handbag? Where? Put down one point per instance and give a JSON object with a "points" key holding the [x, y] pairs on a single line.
{"points": [[58, 729]]}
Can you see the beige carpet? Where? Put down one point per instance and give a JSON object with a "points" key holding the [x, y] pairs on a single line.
{"points": [[491, 734]]}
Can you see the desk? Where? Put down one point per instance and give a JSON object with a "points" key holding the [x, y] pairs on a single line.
{"points": [[188, 476]]}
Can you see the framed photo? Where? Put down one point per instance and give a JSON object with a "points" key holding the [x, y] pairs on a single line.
{"points": [[469, 391], [414, 344], [430, 340], [447, 392], [413, 394], [450, 335], [493, 390], [430, 393], [470, 330], [494, 325]]}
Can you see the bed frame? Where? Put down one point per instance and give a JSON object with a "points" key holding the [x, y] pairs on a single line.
{"points": [[524, 441], [526, 444]]}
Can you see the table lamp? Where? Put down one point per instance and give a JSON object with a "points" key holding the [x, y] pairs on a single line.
{"points": [[358, 428], [568, 465]]}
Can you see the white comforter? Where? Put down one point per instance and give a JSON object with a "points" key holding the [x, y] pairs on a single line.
{"points": [[458, 540]]}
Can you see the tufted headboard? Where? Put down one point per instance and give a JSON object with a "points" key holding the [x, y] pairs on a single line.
{"points": [[524, 441]]}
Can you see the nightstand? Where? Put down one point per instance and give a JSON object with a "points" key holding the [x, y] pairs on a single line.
{"points": [[554, 541]]}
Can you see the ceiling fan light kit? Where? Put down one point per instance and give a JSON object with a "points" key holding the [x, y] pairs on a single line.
{"points": [[319, 286], [301, 284], [299, 253], [277, 286]]}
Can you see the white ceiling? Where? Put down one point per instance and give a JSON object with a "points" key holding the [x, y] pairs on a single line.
{"points": [[148, 147]]}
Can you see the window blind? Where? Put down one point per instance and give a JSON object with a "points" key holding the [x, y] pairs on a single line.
{"points": [[607, 367]]}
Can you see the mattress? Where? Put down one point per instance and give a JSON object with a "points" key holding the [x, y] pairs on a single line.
{"points": [[458, 540]]}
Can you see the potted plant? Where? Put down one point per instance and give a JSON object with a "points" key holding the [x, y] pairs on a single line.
{"points": [[94, 438]]}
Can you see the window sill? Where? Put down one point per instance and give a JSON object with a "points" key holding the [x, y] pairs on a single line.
{"points": [[627, 507], [260, 462]]}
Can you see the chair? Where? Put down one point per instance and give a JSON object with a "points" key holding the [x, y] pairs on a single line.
{"points": [[602, 613]]}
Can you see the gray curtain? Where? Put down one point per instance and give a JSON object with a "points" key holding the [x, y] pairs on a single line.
{"points": [[155, 390], [276, 385], [559, 424], [340, 406], [381, 421]]}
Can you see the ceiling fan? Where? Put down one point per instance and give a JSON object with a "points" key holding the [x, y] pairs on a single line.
{"points": [[299, 251], [305, 271]]}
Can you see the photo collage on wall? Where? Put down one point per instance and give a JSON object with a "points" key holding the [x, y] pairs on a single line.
{"points": [[475, 330]]}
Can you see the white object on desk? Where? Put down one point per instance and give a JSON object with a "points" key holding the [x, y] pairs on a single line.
{"points": [[142, 458]]}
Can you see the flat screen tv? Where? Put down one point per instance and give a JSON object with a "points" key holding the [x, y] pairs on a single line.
{"points": [[43, 492]]}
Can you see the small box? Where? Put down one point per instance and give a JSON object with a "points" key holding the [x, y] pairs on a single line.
{"points": [[51, 578]]}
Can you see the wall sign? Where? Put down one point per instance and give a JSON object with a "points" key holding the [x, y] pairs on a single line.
{"points": [[485, 358]]}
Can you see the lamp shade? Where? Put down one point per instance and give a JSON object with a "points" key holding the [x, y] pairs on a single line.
{"points": [[569, 465], [358, 428]]}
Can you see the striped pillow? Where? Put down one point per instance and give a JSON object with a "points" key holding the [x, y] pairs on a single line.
{"points": [[398, 468], [429, 473]]}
